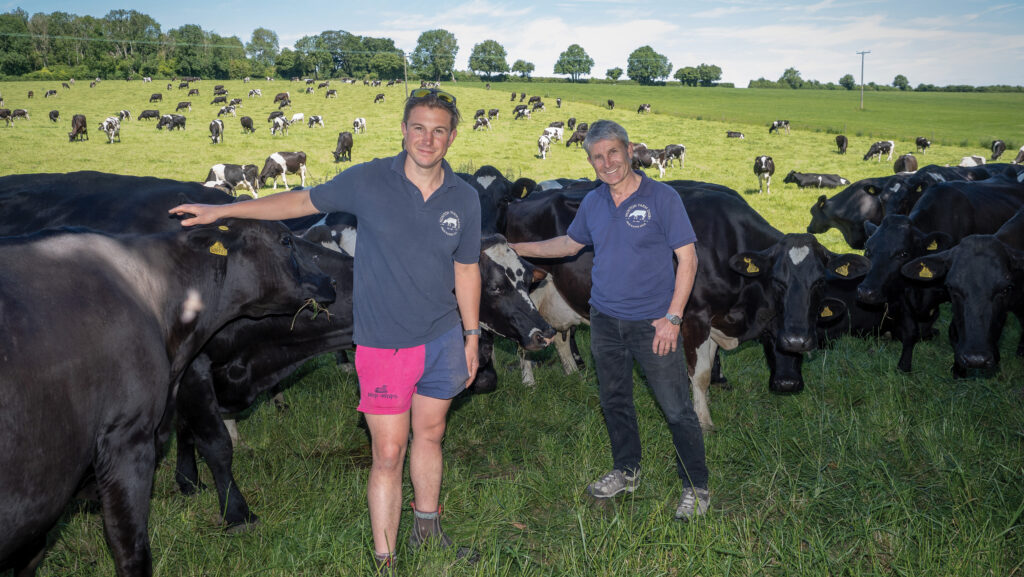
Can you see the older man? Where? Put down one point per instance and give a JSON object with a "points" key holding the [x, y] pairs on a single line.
{"points": [[636, 225]]}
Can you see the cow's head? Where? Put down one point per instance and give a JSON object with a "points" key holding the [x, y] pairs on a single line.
{"points": [[890, 246], [505, 305]]}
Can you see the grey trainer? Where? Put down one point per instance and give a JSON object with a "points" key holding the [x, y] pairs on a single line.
{"points": [[694, 503], [612, 484]]}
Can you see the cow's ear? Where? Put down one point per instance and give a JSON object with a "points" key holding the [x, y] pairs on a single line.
{"points": [[872, 190], [848, 266], [927, 268], [750, 264], [937, 241], [821, 201], [831, 310], [520, 188], [215, 239], [870, 228]]}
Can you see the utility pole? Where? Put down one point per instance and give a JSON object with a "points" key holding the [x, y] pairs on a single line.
{"points": [[862, 77]]}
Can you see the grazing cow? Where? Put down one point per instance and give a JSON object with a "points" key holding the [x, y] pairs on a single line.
{"points": [[571, 123], [281, 96], [54, 115], [513, 97], [255, 92], [284, 103], [171, 121], [19, 113], [522, 113], [576, 138], [149, 114], [537, 106], [1020, 156], [332, 93], [310, 90], [543, 146], [481, 122], [803, 180], [554, 133], [247, 125], [532, 100], [879, 148], [480, 112], [779, 126], [519, 108], [764, 168], [235, 175], [583, 127], [492, 113], [643, 108], [378, 98], [156, 97], [5, 114], [998, 148], [324, 84], [31, 94], [922, 144], [734, 134], [217, 131], [522, 96], [279, 124], [219, 100], [183, 106], [184, 85], [644, 157], [674, 152], [220, 92], [65, 86], [274, 114], [78, 128], [343, 151], [557, 124], [298, 118], [111, 126], [841, 143], [611, 104], [226, 110], [193, 92], [282, 164], [124, 115], [315, 120], [967, 161], [983, 275], [905, 163], [235, 102], [50, 93], [359, 125], [945, 213]]}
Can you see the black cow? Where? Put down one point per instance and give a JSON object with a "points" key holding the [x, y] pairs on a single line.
{"points": [[149, 114], [5, 114], [513, 99], [480, 112], [764, 168], [779, 126], [274, 114], [79, 130], [284, 103], [247, 124], [492, 113], [217, 131], [522, 96], [343, 151], [235, 176], [922, 144], [841, 143], [945, 213], [879, 148], [611, 104], [281, 96], [75, 364], [219, 100], [901, 192], [156, 97], [577, 138], [171, 121], [998, 148], [803, 180], [54, 115], [571, 123], [905, 163], [193, 92], [734, 134], [184, 106], [282, 164]]}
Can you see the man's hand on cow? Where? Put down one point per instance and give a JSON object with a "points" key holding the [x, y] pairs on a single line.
{"points": [[472, 357], [202, 213], [666, 335]]}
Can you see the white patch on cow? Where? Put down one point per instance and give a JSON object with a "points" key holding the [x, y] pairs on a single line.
{"points": [[485, 181], [700, 380], [723, 340], [508, 260], [191, 307], [797, 254], [896, 187], [218, 171], [276, 157], [554, 308], [348, 240]]}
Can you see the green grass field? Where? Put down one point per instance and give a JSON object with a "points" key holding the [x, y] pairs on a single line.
{"points": [[867, 472]]}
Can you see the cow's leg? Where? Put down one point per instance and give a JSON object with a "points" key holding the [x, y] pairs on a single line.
{"points": [[284, 177], [186, 471], [302, 174], [768, 183], [25, 560], [125, 463], [526, 368], [700, 381], [575, 350], [717, 378], [486, 380], [565, 353]]}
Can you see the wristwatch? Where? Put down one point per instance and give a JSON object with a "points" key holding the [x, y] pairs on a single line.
{"points": [[674, 319], [470, 332]]}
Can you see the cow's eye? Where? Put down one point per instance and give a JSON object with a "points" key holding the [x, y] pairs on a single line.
{"points": [[286, 240]]}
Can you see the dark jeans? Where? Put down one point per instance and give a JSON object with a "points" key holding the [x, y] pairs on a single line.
{"points": [[615, 344]]}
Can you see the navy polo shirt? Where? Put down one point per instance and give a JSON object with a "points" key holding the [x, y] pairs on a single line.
{"points": [[404, 266], [633, 276]]}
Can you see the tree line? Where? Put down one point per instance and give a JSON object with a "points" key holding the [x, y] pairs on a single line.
{"points": [[792, 79]]}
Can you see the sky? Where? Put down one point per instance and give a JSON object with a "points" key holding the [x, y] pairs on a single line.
{"points": [[937, 42]]}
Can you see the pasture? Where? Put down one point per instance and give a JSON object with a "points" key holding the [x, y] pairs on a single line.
{"points": [[867, 472]]}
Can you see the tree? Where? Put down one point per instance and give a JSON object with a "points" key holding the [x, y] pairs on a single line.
{"points": [[189, 51], [575, 62], [848, 82], [647, 66], [687, 76], [263, 47], [901, 82], [791, 78], [387, 65], [708, 74], [434, 56], [311, 56], [523, 68], [614, 74], [488, 57]]}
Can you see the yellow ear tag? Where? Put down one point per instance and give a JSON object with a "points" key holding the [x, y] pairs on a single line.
{"points": [[751, 267], [218, 248], [843, 270], [525, 192], [826, 312], [224, 228], [925, 272], [934, 245]]}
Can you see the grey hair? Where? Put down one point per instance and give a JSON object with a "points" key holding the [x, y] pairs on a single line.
{"points": [[605, 130]]}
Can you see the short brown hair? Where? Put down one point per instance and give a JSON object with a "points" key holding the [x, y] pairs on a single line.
{"points": [[431, 101]]}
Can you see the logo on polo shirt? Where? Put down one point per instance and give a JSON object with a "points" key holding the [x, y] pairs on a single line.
{"points": [[450, 223], [638, 215]]}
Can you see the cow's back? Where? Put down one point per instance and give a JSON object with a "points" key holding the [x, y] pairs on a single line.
{"points": [[962, 208]]}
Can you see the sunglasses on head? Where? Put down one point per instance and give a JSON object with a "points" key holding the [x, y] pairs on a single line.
{"points": [[440, 94]]}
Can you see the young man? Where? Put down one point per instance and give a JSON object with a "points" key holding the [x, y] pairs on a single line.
{"points": [[419, 240], [636, 225]]}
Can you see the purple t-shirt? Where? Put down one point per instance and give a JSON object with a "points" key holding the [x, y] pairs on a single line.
{"points": [[633, 276], [404, 265]]}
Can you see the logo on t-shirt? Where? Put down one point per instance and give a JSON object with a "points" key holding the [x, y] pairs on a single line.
{"points": [[450, 223], [638, 215]]}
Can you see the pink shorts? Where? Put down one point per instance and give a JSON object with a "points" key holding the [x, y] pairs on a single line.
{"points": [[388, 378]]}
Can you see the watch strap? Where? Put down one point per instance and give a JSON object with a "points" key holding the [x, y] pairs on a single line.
{"points": [[470, 332]]}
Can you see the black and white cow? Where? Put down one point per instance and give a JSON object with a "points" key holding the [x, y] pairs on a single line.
{"points": [[537, 106], [879, 148], [1020, 156], [235, 102], [643, 108], [217, 131], [193, 92], [282, 164], [247, 125], [19, 113], [229, 109], [255, 92], [284, 103], [332, 93], [279, 124], [156, 97], [50, 93], [378, 98], [359, 125], [79, 131], [779, 126], [171, 121], [804, 180], [554, 133], [183, 106], [316, 120], [492, 113], [54, 115], [734, 134], [905, 163], [520, 111], [558, 103], [343, 151], [543, 146], [841, 143], [922, 144], [998, 148], [571, 123], [481, 122], [149, 114], [235, 176], [124, 115], [675, 152], [764, 168], [112, 127], [973, 160]]}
